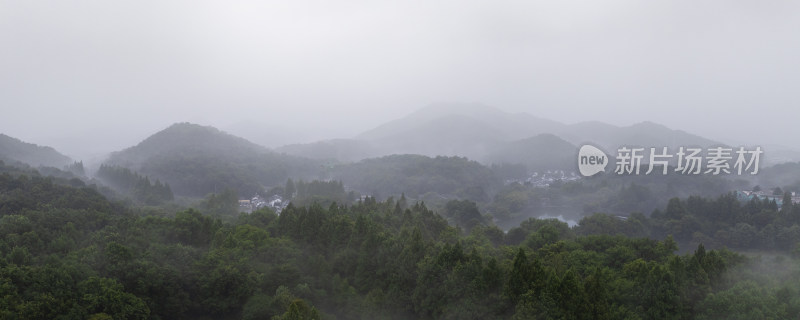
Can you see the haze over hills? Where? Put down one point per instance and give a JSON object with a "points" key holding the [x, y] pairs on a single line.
{"points": [[13, 149], [509, 126], [271, 133], [344, 150], [483, 133], [448, 135], [417, 175], [196, 160], [645, 134], [540, 152], [188, 139]]}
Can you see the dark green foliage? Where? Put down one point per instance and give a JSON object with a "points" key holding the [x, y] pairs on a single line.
{"points": [[716, 222], [67, 253], [525, 278], [464, 213]]}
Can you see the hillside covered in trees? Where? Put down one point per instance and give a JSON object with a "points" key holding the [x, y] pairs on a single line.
{"points": [[68, 253], [157, 233]]}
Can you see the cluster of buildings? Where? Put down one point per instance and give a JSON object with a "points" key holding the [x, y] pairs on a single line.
{"points": [[275, 202], [544, 179]]}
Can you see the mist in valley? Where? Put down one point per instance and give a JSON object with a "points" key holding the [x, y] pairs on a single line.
{"points": [[349, 159], [98, 77]]}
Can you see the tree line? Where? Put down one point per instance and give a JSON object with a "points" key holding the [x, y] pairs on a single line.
{"points": [[69, 253]]}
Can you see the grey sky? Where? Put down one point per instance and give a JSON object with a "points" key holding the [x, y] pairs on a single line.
{"points": [[109, 73]]}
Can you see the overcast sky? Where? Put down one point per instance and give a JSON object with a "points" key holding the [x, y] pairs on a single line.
{"points": [[95, 76]]}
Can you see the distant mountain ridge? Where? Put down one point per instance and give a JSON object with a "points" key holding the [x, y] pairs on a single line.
{"points": [[490, 135], [511, 126], [643, 134], [181, 153], [13, 149]]}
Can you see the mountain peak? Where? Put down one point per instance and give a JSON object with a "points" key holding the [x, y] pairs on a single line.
{"points": [[187, 138], [189, 127], [469, 109], [649, 125], [196, 134], [195, 160]]}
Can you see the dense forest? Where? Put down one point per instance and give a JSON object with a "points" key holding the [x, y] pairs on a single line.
{"points": [[66, 252], [395, 237]]}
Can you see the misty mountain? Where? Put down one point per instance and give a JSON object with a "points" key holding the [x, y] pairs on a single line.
{"points": [[784, 175], [777, 154], [188, 139], [541, 152], [491, 135], [270, 133], [13, 149], [345, 150], [196, 160], [448, 135], [417, 175], [508, 126], [483, 133], [643, 134], [470, 130]]}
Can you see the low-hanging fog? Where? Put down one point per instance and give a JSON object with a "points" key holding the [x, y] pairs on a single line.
{"points": [[90, 77]]}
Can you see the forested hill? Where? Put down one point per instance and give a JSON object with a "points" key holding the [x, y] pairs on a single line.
{"points": [[68, 253], [196, 160], [13, 149]]}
